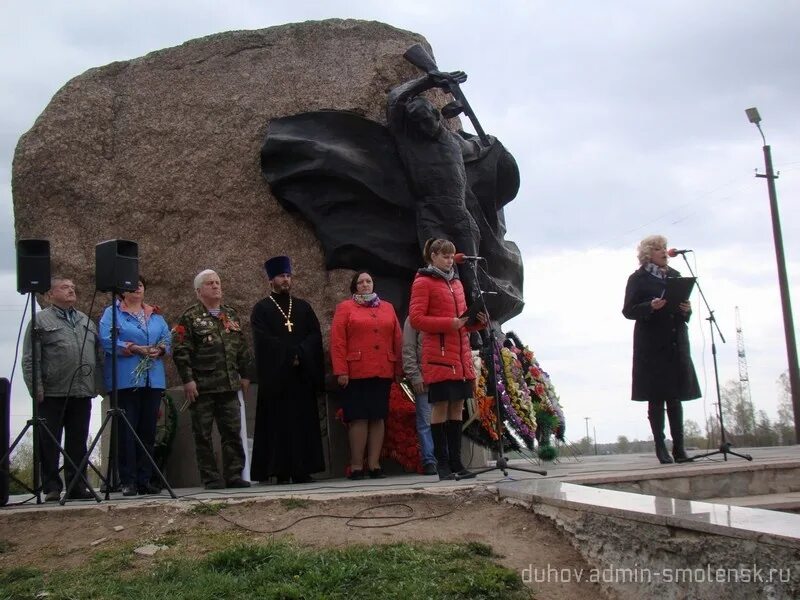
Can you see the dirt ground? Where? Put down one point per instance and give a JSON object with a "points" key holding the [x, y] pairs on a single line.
{"points": [[60, 538]]}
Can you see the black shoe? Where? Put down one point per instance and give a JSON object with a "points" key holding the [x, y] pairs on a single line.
{"points": [[429, 469], [215, 484], [52, 496], [681, 457], [444, 473], [128, 489], [453, 435], [282, 480], [663, 455], [238, 482], [439, 435], [377, 473], [678, 452], [464, 474], [148, 488], [80, 494], [356, 474]]}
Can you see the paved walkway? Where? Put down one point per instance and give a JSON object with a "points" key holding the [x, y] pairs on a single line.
{"points": [[592, 470]]}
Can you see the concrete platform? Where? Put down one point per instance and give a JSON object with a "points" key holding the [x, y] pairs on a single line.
{"points": [[570, 481], [639, 534]]}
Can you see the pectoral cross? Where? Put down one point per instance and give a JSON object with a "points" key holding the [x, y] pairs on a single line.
{"points": [[289, 325]]}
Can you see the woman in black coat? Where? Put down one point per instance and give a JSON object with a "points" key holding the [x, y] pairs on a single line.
{"points": [[663, 372]]}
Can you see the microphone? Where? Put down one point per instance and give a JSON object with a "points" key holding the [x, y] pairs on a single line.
{"points": [[460, 258], [673, 252]]}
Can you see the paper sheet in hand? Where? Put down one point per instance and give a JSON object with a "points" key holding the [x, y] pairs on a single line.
{"points": [[472, 313], [678, 290]]}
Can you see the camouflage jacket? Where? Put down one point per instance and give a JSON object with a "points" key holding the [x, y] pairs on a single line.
{"points": [[211, 351]]}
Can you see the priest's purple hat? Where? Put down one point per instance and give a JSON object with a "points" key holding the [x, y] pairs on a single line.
{"points": [[277, 265]]}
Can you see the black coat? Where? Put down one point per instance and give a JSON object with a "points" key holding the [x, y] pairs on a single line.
{"points": [[287, 440], [662, 362]]}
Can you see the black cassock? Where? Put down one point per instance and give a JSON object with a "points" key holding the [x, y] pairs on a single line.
{"points": [[287, 440]]}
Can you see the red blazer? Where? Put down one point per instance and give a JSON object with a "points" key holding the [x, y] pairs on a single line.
{"points": [[366, 342], [435, 302]]}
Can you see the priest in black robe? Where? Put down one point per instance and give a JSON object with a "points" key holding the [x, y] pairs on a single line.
{"points": [[287, 443]]}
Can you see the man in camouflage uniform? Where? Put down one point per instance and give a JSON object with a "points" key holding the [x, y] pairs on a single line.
{"points": [[214, 363]]}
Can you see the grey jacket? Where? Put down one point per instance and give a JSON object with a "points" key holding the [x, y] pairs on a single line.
{"points": [[59, 356], [412, 352]]}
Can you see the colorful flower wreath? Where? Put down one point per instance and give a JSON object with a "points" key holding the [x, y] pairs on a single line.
{"points": [[545, 402], [529, 406], [481, 420]]}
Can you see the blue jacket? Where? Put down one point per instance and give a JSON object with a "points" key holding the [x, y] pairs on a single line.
{"points": [[130, 331]]}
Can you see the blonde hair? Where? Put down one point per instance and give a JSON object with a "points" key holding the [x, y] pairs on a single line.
{"points": [[645, 249], [437, 246]]}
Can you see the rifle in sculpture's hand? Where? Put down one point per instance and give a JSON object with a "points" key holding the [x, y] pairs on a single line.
{"points": [[418, 57]]}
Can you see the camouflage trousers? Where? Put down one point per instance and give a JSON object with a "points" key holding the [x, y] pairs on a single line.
{"points": [[224, 408]]}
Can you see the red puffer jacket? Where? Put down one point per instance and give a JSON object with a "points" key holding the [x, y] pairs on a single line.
{"points": [[366, 342], [435, 302]]}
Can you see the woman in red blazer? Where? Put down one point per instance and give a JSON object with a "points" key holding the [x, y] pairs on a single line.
{"points": [[437, 300], [366, 353]]}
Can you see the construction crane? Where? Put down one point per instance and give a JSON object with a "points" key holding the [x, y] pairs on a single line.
{"points": [[744, 379]]}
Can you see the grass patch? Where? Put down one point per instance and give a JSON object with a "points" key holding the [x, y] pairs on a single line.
{"points": [[17, 574], [292, 503], [207, 508], [6, 546], [280, 570]]}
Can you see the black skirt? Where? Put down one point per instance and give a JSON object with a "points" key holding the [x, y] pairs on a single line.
{"points": [[449, 391], [366, 399]]}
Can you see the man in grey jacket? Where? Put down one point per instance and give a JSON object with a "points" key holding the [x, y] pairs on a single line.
{"points": [[69, 358], [412, 354]]}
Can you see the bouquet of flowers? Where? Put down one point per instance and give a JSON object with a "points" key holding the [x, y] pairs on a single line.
{"points": [[146, 363]]}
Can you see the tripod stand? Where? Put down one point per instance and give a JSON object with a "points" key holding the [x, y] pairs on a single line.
{"points": [[113, 416], [488, 356], [725, 446], [37, 423]]}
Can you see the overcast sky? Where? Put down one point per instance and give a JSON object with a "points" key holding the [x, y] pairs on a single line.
{"points": [[626, 118]]}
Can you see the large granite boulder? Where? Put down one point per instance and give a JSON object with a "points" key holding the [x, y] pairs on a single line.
{"points": [[164, 150]]}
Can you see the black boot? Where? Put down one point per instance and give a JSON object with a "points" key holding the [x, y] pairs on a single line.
{"points": [[675, 416], [655, 414], [454, 450], [439, 436]]}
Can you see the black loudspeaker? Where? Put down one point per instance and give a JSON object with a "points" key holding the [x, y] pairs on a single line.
{"points": [[5, 424], [33, 266], [116, 266]]}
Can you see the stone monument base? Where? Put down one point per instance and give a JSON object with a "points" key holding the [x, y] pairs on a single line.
{"points": [[181, 469]]}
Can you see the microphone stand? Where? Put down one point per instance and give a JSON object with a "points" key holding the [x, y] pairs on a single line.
{"points": [[725, 446], [488, 355]]}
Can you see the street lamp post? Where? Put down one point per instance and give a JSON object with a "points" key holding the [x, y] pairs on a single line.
{"points": [[786, 303]]}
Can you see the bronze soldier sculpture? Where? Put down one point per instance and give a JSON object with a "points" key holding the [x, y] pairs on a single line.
{"points": [[374, 194]]}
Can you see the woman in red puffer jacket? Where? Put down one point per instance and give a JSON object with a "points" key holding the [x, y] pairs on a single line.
{"points": [[437, 300], [366, 349]]}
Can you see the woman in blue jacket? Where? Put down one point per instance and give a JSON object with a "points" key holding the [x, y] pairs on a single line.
{"points": [[143, 338]]}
